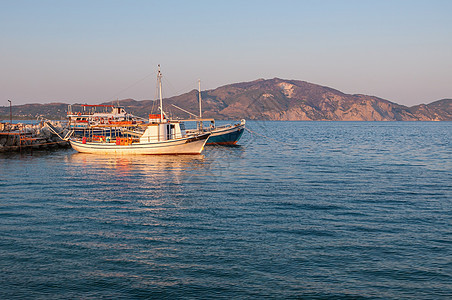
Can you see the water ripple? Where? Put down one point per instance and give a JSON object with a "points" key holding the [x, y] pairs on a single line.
{"points": [[350, 210]]}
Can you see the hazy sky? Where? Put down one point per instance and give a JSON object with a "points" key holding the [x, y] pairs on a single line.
{"points": [[95, 51]]}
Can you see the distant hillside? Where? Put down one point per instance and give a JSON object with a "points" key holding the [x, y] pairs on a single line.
{"points": [[33, 111], [272, 99], [438, 110]]}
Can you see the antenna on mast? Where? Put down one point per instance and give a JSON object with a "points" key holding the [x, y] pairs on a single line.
{"points": [[159, 79]]}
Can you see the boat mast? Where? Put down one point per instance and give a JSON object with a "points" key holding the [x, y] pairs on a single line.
{"points": [[200, 109], [199, 91], [159, 78]]}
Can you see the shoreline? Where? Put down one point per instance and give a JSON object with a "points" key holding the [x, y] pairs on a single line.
{"points": [[24, 136]]}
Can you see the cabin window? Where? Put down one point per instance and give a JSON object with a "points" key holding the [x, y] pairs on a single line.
{"points": [[168, 131]]}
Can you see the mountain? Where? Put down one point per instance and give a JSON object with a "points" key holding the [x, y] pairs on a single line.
{"points": [[272, 99]]}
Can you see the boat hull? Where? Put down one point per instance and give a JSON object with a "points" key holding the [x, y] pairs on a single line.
{"points": [[228, 136], [191, 145]]}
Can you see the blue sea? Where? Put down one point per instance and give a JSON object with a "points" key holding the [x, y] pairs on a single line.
{"points": [[310, 210]]}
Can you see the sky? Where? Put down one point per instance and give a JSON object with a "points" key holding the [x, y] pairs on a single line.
{"points": [[96, 51]]}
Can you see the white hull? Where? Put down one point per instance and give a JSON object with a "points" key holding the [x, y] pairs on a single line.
{"points": [[191, 145]]}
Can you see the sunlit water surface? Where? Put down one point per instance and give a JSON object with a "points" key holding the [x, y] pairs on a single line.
{"points": [[322, 209]]}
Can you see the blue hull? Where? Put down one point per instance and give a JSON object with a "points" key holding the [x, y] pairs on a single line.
{"points": [[227, 138]]}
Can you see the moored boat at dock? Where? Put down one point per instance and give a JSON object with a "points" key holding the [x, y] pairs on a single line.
{"points": [[158, 136], [129, 145], [83, 117]]}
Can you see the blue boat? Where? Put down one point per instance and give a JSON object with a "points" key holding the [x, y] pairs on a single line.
{"points": [[222, 135], [225, 135]]}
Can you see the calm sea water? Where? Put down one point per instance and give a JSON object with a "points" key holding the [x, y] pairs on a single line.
{"points": [[321, 210]]}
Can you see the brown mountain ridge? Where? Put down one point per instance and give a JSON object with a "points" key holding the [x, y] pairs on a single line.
{"points": [[271, 99]]}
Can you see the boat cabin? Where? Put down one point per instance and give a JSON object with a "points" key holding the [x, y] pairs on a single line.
{"points": [[157, 132]]}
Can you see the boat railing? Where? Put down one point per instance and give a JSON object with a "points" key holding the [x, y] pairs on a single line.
{"points": [[223, 126], [132, 136]]}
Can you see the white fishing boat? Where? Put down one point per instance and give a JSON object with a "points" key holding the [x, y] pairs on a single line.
{"points": [[83, 117], [160, 136], [188, 145]]}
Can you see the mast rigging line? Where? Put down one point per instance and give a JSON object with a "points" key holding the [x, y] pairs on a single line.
{"points": [[188, 88], [132, 85], [186, 111]]}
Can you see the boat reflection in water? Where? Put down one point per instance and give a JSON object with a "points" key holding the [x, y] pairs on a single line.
{"points": [[146, 180], [136, 166]]}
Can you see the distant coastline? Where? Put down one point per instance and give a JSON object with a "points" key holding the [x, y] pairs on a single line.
{"points": [[272, 99]]}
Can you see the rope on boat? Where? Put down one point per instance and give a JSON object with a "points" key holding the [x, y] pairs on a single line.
{"points": [[266, 137]]}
